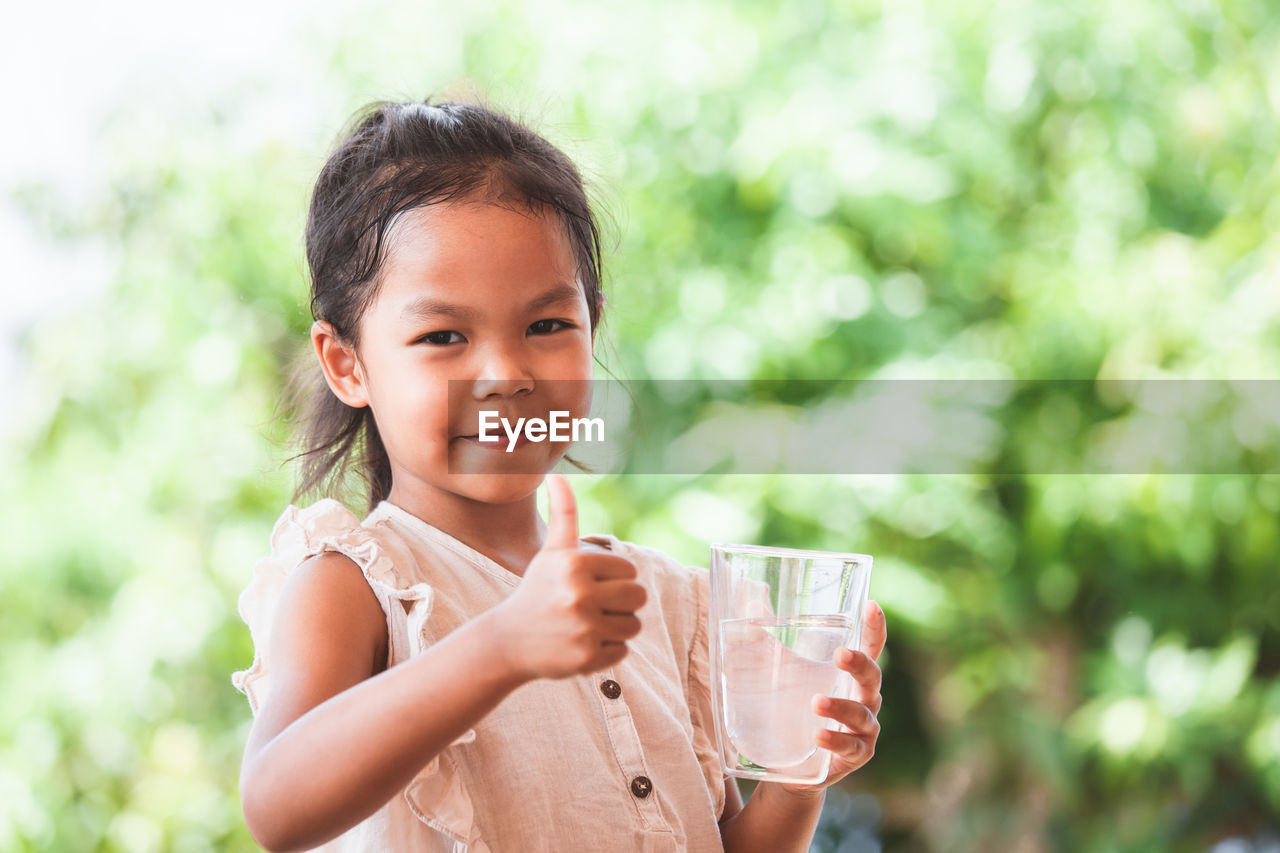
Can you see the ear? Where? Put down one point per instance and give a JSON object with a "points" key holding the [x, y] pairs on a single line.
{"points": [[342, 370]]}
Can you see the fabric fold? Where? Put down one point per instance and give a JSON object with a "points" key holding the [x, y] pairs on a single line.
{"points": [[698, 694], [438, 798]]}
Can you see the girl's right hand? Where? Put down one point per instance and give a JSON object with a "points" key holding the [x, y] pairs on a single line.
{"points": [[574, 609]]}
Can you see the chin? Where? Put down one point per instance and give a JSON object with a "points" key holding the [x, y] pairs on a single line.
{"points": [[496, 488]]}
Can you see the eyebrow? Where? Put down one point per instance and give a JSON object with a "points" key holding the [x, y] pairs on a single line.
{"points": [[425, 307]]}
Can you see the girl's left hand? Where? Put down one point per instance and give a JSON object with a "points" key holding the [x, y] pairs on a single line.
{"points": [[854, 748]]}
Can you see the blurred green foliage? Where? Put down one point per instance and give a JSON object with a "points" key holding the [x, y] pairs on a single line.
{"points": [[819, 190]]}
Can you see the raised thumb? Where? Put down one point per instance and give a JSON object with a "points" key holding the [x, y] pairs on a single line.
{"points": [[562, 514]]}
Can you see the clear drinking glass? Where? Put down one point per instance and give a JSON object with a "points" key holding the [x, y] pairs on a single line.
{"points": [[778, 615]]}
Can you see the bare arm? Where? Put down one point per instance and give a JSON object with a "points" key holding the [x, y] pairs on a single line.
{"points": [[333, 742], [773, 821]]}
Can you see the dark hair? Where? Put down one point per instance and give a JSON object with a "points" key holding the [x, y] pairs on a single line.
{"points": [[395, 157]]}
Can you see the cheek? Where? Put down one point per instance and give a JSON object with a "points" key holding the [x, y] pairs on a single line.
{"points": [[579, 361], [574, 396], [580, 389], [423, 410]]}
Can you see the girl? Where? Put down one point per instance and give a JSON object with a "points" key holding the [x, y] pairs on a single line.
{"points": [[450, 673]]}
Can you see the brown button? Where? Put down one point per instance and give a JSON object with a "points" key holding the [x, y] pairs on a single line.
{"points": [[641, 786], [611, 688]]}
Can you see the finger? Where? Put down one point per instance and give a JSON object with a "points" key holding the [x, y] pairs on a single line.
{"points": [[616, 627], [857, 717], [562, 514], [620, 596], [874, 630], [609, 655], [605, 567], [865, 672], [854, 749]]}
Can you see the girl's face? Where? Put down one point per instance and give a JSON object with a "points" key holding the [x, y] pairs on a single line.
{"points": [[487, 295]]}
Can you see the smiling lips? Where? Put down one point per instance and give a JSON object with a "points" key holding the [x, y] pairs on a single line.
{"points": [[500, 444], [504, 440]]}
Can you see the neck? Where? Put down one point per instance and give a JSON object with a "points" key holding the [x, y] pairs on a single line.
{"points": [[510, 534]]}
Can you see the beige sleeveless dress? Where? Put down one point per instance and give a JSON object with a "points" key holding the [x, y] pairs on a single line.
{"points": [[622, 760]]}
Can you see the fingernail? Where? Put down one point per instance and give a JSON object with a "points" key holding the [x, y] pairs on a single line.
{"points": [[822, 703]]}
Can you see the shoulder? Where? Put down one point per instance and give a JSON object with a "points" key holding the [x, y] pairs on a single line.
{"points": [[328, 564], [328, 595], [327, 575], [327, 527]]}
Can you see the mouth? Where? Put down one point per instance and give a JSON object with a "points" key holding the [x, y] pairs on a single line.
{"points": [[501, 444]]}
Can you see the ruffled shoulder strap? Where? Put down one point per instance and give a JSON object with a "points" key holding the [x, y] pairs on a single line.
{"points": [[300, 534]]}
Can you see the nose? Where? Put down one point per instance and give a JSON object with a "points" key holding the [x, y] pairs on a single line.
{"points": [[503, 371]]}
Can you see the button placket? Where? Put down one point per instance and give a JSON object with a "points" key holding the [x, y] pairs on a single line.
{"points": [[625, 741]]}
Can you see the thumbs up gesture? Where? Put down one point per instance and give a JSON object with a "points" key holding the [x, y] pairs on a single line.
{"points": [[574, 610]]}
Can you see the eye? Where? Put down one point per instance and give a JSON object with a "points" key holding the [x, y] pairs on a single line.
{"points": [[546, 327], [441, 338]]}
